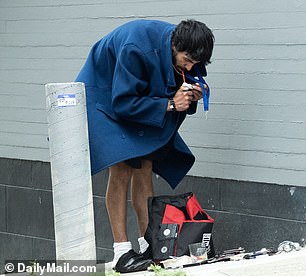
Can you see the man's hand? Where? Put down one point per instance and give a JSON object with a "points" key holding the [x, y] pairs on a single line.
{"points": [[197, 91], [186, 94], [182, 99]]}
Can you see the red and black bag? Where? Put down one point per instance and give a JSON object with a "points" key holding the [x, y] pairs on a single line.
{"points": [[174, 223]]}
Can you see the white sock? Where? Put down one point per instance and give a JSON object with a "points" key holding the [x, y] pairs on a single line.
{"points": [[143, 244], [120, 248]]}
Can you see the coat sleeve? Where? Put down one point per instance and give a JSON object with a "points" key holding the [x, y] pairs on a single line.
{"points": [[131, 99]]}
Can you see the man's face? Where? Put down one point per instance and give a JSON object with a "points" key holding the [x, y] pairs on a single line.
{"points": [[182, 61]]}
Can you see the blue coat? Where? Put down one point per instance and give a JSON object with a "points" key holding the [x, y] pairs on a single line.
{"points": [[129, 78]]}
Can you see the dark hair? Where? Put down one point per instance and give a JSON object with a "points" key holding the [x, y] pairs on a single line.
{"points": [[195, 38]]}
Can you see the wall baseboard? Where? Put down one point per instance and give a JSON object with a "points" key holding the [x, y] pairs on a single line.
{"points": [[247, 214]]}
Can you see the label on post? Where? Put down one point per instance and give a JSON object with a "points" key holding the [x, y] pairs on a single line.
{"points": [[66, 100]]}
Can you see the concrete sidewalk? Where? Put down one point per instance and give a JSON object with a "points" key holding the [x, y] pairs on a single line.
{"points": [[283, 264]]}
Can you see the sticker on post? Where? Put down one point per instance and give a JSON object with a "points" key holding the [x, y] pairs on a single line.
{"points": [[66, 100]]}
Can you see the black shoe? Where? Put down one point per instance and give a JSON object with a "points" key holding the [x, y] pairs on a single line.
{"points": [[148, 253], [132, 262]]}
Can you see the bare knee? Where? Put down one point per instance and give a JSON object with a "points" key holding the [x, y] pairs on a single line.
{"points": [[120, 173], [144, 171], [146, 165], [142, 186]]}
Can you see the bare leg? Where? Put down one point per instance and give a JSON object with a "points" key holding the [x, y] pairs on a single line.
{"points": [[116, 199], [141, 189]]}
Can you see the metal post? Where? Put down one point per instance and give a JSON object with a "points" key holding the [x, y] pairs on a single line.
{"points": [[70, 169]]}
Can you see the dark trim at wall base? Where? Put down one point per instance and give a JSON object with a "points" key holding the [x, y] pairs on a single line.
{"points": [[248, 214]]}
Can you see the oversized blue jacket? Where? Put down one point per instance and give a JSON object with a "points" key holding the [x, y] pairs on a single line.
{"points": [[129, 78]]}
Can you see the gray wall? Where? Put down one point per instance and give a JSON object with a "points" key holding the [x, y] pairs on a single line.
{"points": [[256, 128]]}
